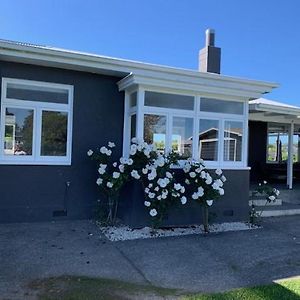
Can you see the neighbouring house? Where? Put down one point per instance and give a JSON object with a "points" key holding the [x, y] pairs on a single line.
{"points": [[56, 104]]}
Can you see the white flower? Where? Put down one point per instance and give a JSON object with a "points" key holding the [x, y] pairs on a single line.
{"points": [[116, 175], [182, 190], [147, 190], [151, 195], [177, 186], [156, 189], [192, 174], [135, 174], [187, 181], [108, 152], [115, 164], [90, 152], [223, 178], [221, 192], [159, 198], [103, 166], [198, 170], [195, 196], [208, 180], [209, 202], [147, 153], [144, 171], [99, 181], [203, 175], [111, 144], [150, 185], [200, 192], [219, 172], [265, 182], [169, 175], [109, 184], [162, 182], [121, 168], [134, 140], [130, 162], [277, 193], [183, 200], [101, 171], [272, 198], [103, 150], [132, 151], [153, 212], [123, 160], [164, 196], [215, 186], [147, 203], [186, 168]]}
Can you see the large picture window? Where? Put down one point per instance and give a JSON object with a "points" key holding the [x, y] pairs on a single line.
{"points": [[193, 126], [36, 122]]}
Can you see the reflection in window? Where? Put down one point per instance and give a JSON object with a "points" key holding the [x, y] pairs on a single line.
{"points": [[221, 106], [233, 136], [54, 133], [18, 131], [208, 139], [169, 100], [155, 131], [133, 127], [182, 136]]}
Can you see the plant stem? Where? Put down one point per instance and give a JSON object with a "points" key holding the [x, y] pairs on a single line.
{"points": [[205, 218]]}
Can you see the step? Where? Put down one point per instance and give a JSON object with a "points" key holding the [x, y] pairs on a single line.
{"points": [[262, 202], [285, 210]]}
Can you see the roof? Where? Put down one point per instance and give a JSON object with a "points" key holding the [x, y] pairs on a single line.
{"points": [[271, 106], [81, 61]]}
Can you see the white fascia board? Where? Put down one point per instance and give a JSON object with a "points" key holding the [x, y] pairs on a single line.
{"points": [[210, 86], [275, 109], [48, 56]]}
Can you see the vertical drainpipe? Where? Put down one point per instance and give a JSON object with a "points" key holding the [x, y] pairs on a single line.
{"points": [[290, 157]]}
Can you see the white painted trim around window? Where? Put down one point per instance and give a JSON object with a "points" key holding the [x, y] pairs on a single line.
{"points": [[38, 107], [196, 115]]}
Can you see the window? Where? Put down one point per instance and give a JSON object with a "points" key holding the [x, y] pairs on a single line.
{"points": [[233, 136], [208, 139], [36, 122], [169, 100], [182, 136], [193, 126], [222, 106], [155, 131]]}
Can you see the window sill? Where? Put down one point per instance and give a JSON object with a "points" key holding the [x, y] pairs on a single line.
{"points": [[35, 163]]}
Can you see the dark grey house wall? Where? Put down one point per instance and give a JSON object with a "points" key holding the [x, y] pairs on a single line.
{"points": [[233, 206], [257, 150], [33, 193]]}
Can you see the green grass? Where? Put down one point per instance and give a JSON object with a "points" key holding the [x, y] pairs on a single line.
{"points": [[84, 288]]}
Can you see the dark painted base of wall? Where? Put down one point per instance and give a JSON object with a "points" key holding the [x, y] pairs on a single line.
{"points": [[233, 206]]}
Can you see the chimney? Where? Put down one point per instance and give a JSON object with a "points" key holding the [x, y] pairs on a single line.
{"points": [[210, 56]]}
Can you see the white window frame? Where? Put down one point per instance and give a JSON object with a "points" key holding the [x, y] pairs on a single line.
{"points": [[140, 110], [38, 107]]}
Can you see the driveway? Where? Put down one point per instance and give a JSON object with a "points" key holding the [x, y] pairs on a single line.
{"points": [[215, 262]]}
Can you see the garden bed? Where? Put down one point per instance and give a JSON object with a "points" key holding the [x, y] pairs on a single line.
{"points": [[123, 233]]}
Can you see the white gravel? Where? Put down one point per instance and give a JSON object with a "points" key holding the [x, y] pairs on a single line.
{"points": [[124, 233]]}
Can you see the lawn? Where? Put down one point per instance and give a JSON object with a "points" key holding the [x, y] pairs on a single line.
{"points": [[79, 288]]}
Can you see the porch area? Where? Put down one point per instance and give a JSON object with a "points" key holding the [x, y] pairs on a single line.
{"points": [[274, 154]]}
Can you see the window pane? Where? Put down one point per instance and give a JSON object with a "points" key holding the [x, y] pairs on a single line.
{"points": [[208, 139], [133, 99], [169, 100], [155, 131], [221, 106], [33, 93], [133, 127], [233, 136], [182, 136], [18, 131], [54, 133]]}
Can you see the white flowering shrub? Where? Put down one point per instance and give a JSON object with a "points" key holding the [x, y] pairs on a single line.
{"points": [[154, 171], [111, 177]]}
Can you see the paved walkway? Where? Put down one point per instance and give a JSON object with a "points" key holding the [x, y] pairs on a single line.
{"points": [[195, 263]]}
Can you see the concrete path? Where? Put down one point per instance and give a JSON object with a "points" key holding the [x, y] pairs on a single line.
{"points": [[215, 262]]}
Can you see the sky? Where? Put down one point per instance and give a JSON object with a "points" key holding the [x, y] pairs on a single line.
{"points": [[260, 39]]}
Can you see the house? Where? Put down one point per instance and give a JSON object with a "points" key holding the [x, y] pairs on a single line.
{"points": [[56, 104]]}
